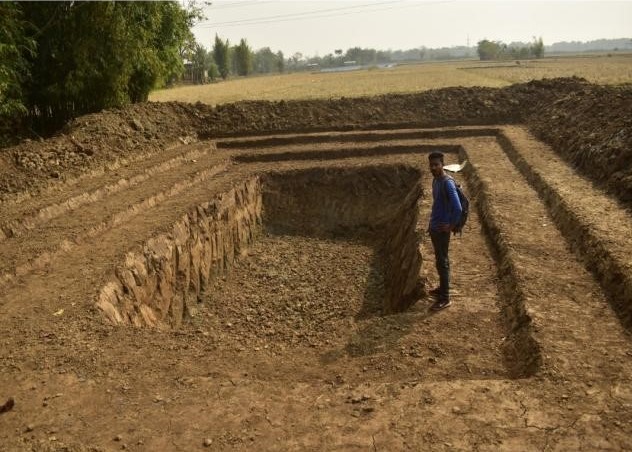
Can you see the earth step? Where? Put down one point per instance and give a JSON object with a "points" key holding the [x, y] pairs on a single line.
{"points": [[36, 248], [597, 227], [372, 136], [555, 299], [347, 152], [28, 214], [91, 262]]}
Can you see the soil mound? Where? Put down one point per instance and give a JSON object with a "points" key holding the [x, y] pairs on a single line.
{"points": [[433, 108], [93, 141], [592, 128], [590, 125]]}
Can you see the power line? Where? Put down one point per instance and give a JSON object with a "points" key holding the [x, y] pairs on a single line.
{"points": [[268, 19], [301, 14], [238, 4], [259, 21]]}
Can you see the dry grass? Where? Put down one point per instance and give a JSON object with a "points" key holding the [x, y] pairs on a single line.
{"points": [[402, 79]]}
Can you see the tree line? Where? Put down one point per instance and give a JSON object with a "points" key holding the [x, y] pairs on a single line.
{"points": [[59, 60], [224, 59], [496, 50]]}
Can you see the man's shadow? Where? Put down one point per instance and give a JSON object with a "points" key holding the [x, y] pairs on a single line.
{"points": [[379, 332]]}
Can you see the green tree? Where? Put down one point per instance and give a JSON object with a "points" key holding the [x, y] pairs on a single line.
{"points": [[213, 71], [280, 62], [296, 59], [243, 58], [95, 55], [221, 56], [14, 72], [362, 56], [488, 50], [201, 62], [264, 61], [537, 47]]}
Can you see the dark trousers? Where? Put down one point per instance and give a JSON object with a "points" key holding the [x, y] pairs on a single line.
{"points": [[441, 244]]}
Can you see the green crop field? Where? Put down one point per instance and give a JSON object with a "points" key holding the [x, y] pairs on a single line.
{"points": [[603, 69]]}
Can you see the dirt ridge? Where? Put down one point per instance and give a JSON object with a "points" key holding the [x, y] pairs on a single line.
{"points": [[589, 125], [603, 254]]}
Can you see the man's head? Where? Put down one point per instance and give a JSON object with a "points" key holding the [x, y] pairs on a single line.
{"points": [[435, 159]]}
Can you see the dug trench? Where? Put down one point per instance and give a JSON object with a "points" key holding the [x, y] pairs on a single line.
{"points": [[322, 259], [160, 286]]}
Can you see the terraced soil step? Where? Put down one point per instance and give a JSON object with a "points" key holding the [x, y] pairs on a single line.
{"points": [[23, 214], [33, 248], [596, 225], [374, 135], [79, 273], [565, 308]]}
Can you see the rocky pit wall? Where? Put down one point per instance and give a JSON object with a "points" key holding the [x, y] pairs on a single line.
{"points": [[161, 284]]}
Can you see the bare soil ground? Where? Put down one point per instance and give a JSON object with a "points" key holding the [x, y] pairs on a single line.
{"points": [[279, 341], [289, 348]]}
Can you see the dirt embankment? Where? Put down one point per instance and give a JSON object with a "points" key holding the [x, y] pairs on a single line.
{"points": [[590, 125], [433, 108], [592, 128], [94, 141]]}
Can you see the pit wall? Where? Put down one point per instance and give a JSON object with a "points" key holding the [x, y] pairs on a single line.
{"points": [[161, 284], [376, 203], [401, 255], [523, 354]]}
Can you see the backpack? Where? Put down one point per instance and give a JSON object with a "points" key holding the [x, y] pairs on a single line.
{"points": [[465, 205]]}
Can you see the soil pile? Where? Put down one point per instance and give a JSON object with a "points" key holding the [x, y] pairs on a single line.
{"points": [[433, 108], [592, 129], [590, 125], [95, 140]]}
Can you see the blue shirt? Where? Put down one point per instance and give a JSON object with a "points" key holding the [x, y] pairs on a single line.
{"points": [[446, 207]]}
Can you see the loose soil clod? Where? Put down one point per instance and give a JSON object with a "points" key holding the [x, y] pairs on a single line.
{"points": [[7, 406]]}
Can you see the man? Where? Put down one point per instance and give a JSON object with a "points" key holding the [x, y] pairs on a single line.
{"points": [[445, 215]]}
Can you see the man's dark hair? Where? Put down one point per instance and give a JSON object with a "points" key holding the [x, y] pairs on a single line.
{"points": [[436, 155]]}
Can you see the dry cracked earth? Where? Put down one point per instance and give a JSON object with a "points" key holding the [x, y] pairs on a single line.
{"points": [[268, 293]]}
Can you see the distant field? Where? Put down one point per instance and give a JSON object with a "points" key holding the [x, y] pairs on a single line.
{"points": [[402, 79]]}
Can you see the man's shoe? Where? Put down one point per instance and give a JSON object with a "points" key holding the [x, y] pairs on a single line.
{"points": [[440, 304]]}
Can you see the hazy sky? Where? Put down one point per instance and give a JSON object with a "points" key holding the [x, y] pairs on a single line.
{"points": [[320, 27]]}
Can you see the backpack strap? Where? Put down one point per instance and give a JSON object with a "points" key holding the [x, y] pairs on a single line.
{"points": [[444, 191]]}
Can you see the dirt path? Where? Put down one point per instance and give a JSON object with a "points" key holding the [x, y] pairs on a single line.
{"points": [[287, 352]]}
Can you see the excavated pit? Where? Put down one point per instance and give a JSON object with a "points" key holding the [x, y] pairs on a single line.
{"points": [[375, 204], [276, 302], [164, 283], [314, 255]]}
